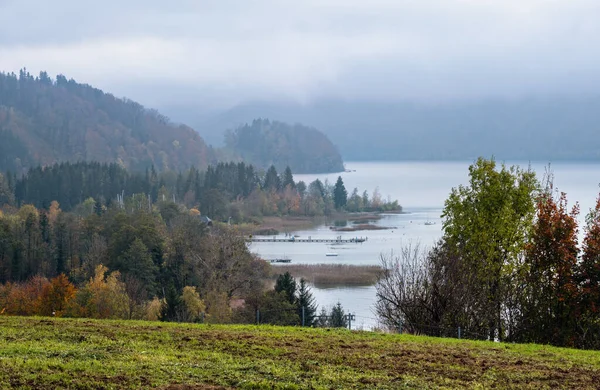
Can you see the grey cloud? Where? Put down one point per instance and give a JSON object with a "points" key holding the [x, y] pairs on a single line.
{"points": [[381, 49]]}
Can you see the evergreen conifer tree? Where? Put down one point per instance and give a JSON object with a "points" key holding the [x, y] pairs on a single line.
{"points": [[288, 179], [285, 283], [338, 317], [307, 301], [340, 195]]}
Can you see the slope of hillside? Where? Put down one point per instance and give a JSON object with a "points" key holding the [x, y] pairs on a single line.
{"points": [[43, 121], [303, 149], [48, 353]]}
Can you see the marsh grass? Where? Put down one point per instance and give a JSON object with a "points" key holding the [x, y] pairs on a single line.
{"points": [[44, 353], [332, 275]]}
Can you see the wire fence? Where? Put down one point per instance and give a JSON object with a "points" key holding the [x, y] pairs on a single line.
{"points": [[301, 317]]}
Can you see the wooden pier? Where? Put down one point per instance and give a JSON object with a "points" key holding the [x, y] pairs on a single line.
{"points": [[337, 240]]}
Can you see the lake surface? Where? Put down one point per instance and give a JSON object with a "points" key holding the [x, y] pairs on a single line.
{"points": [[421, 188]]}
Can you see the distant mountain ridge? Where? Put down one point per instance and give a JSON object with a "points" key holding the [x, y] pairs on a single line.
{"points": [[547, 129], [43, 121]]}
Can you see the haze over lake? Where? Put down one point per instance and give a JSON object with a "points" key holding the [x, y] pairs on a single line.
{"points": [[421, 188]]}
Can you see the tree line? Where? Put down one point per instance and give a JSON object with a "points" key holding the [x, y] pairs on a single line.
{"points": [[508, 267], [224, 190]]}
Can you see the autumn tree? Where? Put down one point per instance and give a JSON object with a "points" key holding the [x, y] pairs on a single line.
{"points": [[550, 310], [103, 296], [194, 306], [355, 201], [56, 296], [588, 278]]}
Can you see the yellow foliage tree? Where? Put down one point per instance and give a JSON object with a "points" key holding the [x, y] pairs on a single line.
{"points": [[219, 311], [153, 309], [194, 306], [53, 211], [104, 296]]}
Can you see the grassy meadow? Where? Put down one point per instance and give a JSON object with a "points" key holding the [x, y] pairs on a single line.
{"points": [[48, 353]]}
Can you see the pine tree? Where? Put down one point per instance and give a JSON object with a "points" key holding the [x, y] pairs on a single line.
{"points": [[288, 179], [338, 317], [340, 195], [287, 284], [137, 262], [307, 301], [272, 181], [322, 320], [173, 307], [98, 208]]}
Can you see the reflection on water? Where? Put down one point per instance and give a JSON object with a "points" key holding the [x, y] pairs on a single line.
{"points": [[421, 188]]}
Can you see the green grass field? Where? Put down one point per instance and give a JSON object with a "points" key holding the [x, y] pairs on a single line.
{"points": [[44, 353]]}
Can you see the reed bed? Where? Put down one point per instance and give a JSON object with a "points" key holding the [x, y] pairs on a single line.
{"points": [[332, 275]]}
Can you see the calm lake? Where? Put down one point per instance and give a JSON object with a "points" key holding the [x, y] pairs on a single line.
{"points": [[421, 188]]}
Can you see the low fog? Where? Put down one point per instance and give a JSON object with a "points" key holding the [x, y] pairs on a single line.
{"points": [[221, 53]]}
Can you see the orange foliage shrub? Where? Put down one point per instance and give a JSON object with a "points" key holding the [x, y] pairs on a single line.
{"points": [[56, 296]]}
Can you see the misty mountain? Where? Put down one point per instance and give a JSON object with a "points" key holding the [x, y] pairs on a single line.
{"points": [[527, 129], [264, 143], [45, 121]]}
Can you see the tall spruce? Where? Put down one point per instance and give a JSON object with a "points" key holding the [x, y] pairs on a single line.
{"points": [[306, 304], [287, 284], [338, 317], [272, 181], [340, 195], [288, 179]]}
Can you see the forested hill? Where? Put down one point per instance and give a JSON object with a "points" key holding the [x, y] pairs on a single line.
{"points": [[304, 149], [45, 120]]}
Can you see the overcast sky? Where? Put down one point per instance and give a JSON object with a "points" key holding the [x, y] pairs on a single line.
{"points": [[226, 51]]}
